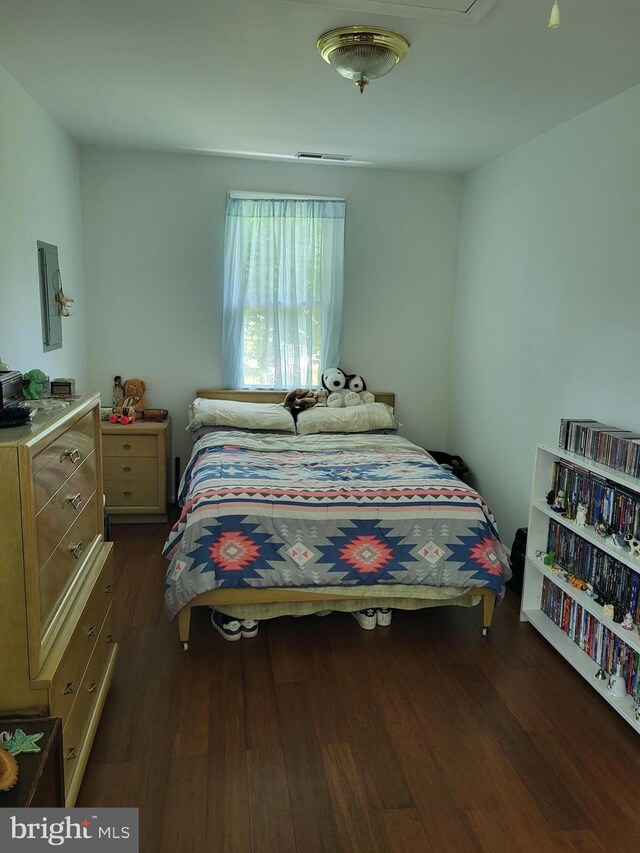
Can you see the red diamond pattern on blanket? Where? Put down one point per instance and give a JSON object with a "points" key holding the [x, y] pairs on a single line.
{"points": [[484, 553], [432, 553], [366, 554], [300, 554], [234, 551]]}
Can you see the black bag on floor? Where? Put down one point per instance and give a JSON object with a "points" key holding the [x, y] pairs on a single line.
{"points": [[516, 561]]}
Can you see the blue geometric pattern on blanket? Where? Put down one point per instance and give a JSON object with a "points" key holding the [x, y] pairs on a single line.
{"points": [[362, 551], [477, 551], [231, 549]]}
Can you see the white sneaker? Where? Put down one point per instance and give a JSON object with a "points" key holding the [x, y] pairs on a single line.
{"points": [[383, 616], [365, 618], [249, 627], [229, 628]]}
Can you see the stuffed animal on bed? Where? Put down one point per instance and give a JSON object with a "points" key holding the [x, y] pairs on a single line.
{"points": [[345, 390], [300, 399]]}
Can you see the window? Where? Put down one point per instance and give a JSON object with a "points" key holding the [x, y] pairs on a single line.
{"points": [[283, 280]]}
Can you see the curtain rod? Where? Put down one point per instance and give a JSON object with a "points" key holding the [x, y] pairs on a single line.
{"points": [[242, 194]]}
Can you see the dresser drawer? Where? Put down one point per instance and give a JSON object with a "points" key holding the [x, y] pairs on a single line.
{"points": [[53, 465], [55, 518], [65, 562], [76, 728], [123, 469], [143, 493], [129, 445], [65, 683]]}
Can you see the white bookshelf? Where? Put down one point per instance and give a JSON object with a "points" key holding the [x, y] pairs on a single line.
{"points": [[535, 570]]}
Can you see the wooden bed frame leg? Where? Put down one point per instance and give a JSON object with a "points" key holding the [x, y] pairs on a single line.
{"points": [[184, 621], [488, 603]]}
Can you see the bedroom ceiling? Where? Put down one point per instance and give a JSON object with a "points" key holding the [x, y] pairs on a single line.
{"points": [[243, 77]]}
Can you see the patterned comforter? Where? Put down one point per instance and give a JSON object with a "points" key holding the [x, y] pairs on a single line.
{"points": [[315, 511]]}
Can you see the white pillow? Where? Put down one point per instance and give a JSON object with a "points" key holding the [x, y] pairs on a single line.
{"points": [[271, 417], [364, 418]]}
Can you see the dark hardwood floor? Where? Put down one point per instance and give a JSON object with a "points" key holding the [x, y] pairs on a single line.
{"points": [[319, 736]]}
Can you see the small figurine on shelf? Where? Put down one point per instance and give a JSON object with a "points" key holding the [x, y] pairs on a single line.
{"points": [[559, 503], [581, 515], [607, 611], [118, 392], [34, 382], [627, 622], [617, 540], [590, 590], [616, 683], [551, 497], [634, 544], [603, 529]]}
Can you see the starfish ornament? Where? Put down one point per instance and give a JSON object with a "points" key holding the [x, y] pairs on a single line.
{"points": [[21, 742]]}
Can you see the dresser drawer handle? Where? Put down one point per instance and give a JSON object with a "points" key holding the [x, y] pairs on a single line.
{"points": [[127, 494], [126, 447], [127, 468], [91, 631], [71, 754], [74, 500], [110, 639], [109, 589], [92, 687], [73, 454], [77, 549], [68, 688]]}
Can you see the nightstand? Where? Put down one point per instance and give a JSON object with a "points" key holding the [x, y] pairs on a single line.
{"points": [[136, 470]]}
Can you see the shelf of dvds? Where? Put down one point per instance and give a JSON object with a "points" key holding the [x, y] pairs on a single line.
{"points": [[572, 619]]}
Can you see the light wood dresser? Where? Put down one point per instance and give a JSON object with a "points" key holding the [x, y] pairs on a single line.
{"points": [[57, 648], [136, 468]]}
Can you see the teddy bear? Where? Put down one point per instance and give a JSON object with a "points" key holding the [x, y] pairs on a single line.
{"points": [[345, 390], [300, 399], [134, 394]]}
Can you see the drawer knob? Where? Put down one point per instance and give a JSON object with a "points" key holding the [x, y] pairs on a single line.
{"points": [[74, 500], [77, 549], [91, 631], [127, 494], [92, 687], [68, 688], [71, 754], [108, 589], [110, 638], [127, 468], [73, 454], [126, 446]]}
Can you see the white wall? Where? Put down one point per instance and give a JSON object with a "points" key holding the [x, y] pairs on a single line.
{"points": [[39, 200], [548, 303], [153, 236]]}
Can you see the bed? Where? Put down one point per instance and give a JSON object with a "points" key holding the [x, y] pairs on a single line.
{"points": [[275, 523]]}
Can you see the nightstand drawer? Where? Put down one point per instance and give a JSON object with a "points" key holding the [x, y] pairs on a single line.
{"points": [[129, 445], [122, 469], [137, 493]]}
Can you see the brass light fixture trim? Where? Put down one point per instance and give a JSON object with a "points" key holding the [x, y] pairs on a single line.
{"points": [[362, 54]]}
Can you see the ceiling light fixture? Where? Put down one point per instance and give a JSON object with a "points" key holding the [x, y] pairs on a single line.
{"points": [[554, 20], [362, 54]]}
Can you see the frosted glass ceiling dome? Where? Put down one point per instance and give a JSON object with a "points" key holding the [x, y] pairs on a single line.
{"points": [[362, 54]]}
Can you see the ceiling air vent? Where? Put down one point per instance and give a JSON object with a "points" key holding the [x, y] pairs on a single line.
{"points": [[310, 155]]}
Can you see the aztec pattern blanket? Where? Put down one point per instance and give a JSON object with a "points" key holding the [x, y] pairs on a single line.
{"points": [[312, 511]]}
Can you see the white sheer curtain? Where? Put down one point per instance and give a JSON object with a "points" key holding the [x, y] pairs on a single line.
{"points": [[283, 284]]}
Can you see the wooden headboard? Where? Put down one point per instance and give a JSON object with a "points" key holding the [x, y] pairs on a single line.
{"points": [[270, 396]]}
